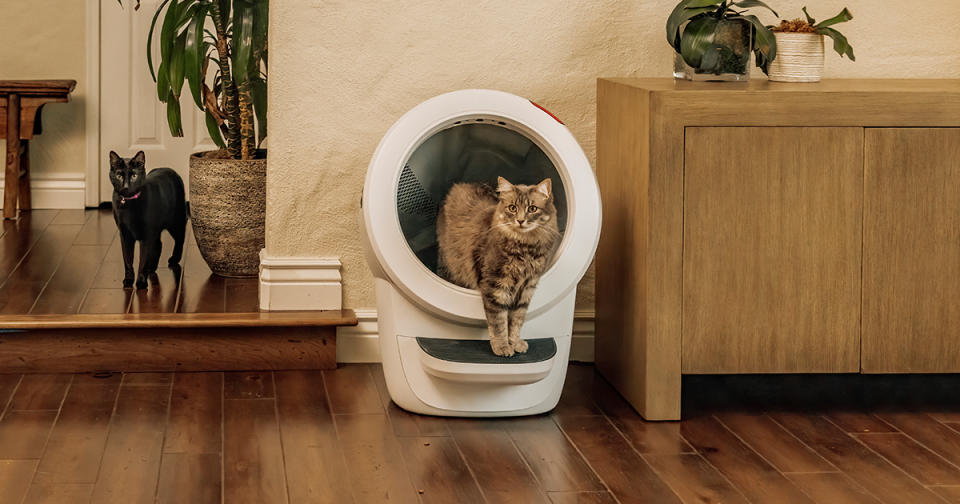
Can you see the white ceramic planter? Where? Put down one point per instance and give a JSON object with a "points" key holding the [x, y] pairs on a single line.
{"points": [[799, 58]]}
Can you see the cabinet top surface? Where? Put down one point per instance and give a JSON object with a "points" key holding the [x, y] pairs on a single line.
{"points": [[825, 86]]}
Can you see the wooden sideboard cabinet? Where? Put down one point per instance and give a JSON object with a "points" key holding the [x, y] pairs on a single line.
{"points": [[775, 228]]}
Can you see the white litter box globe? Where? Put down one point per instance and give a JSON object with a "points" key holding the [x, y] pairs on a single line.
{"points": [[434, 343]]}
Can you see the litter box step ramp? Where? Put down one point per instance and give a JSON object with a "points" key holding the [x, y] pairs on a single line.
{"points": [[472, 361]]}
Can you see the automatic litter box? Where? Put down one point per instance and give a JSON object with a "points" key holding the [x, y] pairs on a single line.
{"points": [[434, 343]]}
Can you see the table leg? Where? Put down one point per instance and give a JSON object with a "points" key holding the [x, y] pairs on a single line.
{"points": [[12, 174], [25, 175]]}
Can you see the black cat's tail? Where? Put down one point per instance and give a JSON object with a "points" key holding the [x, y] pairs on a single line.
{"points": [[187, 205]]}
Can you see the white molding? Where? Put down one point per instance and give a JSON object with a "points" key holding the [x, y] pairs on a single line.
{"points": [[92, 105], [361, 343], [56, 191], [300, 283]]}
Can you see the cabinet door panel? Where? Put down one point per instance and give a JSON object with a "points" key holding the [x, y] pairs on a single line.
{"points": [[771, 251], [911, 251]]}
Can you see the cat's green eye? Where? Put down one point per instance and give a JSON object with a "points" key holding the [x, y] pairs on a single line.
{"points": [[512, 208], [532, 208]]}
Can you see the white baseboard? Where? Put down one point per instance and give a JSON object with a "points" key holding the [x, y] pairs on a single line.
{"points": [[361, 344], [300, 283], [56, 191]]}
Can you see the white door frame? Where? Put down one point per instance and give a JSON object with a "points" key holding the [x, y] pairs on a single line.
{"points": [[92, 105]]}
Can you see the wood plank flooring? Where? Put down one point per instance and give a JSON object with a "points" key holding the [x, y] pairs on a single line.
{"points": [[69, 261], [335, 437]]}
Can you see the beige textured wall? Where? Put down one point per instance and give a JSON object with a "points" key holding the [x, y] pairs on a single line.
{"points": [[343, 71], [45, 39]]}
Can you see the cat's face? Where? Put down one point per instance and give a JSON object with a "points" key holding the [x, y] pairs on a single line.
{"points": [[127, 175], [524, 208]]}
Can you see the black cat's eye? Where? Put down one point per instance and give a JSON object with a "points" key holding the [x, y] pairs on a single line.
{"points": [[532, 208], [512, 208]]}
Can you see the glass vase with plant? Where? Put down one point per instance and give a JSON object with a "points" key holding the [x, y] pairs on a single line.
{"points": [[714, 39]]}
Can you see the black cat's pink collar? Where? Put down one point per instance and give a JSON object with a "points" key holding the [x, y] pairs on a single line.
{"points": [[124, 200]]}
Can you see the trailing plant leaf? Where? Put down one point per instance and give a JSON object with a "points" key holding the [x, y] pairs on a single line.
{"points": [[163, 82], [213, 129], [168, 32], [840, 43], [176, 66], [153, 25], [746, 4], [242, 41], [697, 38], [173, 115], [843, 17], [195, 55]]}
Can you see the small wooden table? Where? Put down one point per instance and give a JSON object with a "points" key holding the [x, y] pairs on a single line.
{"points": [[20, 105]]}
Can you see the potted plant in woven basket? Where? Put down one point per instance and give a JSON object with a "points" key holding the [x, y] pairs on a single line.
{"points": [[800, 47], [714, 39], [218, 48]]}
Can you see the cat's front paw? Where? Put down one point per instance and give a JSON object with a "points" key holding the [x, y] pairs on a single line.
{"points": [[520, 346], [142, 283], [502, 348], [127, 282]]}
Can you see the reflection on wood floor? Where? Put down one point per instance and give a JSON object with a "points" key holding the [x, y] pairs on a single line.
{"points": [[69, 261]]}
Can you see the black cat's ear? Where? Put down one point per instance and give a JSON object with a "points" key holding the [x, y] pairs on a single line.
{"points": [[115, 161], [138, 159]]}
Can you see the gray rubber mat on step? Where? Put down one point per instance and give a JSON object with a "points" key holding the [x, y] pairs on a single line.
{"points": [[479, 352]]}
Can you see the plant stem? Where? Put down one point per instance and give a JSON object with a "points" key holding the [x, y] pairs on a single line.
{"points": [[228, 87]]}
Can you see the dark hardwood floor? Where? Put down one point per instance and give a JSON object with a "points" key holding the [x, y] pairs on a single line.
{"points": [[69, 261], [335, 436]]}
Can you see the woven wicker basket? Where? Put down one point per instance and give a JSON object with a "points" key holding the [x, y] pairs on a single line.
{"points": [[799, 58], [228, 208]]}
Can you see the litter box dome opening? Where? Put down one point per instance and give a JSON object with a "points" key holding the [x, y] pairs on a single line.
{"points": [[472, 127], [472, 151]]}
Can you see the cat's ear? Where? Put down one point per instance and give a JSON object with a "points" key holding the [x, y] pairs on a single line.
{"points": [[139, 159], [115, 161], [545, 187], [503, 185]]}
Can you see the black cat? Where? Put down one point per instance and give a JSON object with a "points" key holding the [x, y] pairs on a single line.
{"points": [[143, 206]]}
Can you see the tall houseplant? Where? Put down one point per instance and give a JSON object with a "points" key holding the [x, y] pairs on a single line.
{"points": [[218, 49], [713, 39]]}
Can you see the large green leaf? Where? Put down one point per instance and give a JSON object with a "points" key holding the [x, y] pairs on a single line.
{"points": [[176, 69], [697, 38], [242, 45], [259, 93], [173, 116], [840, 43], [843, 17], [163, 82], [681, 14], [746, 4], [261, 17], [214, 130], [153, 25], [194, 54], [168, 31]]}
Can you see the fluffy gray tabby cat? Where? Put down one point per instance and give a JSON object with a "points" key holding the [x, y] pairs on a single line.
{"points": [[499, 245]]}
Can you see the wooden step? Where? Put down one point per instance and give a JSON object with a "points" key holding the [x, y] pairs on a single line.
{"points": [[171, 341]]}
